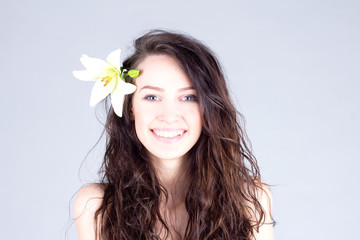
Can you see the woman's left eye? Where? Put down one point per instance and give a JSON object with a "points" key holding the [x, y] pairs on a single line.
{"points": [[189, 98]]}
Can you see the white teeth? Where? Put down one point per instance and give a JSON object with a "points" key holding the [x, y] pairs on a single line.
{"points": [[168, 134]]}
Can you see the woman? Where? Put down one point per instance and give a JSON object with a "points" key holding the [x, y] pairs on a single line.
{"points": [[177, 165]]}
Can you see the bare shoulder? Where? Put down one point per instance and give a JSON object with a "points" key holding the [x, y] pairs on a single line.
{"points": [[264, 196], [88, 198], [87, 202]]}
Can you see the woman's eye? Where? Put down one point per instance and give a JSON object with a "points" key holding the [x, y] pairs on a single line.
{"points": [[190, 98], [151, 98]]}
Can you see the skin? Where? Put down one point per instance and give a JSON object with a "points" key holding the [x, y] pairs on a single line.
{"points": [[164, 104]]}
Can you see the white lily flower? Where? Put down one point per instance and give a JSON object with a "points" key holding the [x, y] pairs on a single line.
{"points": [[108, 80]]}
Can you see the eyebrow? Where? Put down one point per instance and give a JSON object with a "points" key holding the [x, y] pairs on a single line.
{"points": [[162, 90]]}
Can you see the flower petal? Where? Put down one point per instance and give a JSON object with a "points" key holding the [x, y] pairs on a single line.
{"points": [[95, 66], [84, 75], [118, 94], [114, 58], [129, 88], [124, 88], [99, 91], [117, 102]]}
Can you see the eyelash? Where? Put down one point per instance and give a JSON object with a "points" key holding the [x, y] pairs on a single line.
{"points": [[152, 98], [193, 98]]}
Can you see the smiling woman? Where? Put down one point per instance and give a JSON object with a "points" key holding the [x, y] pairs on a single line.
{"points": [[167, 123], [177, 163]]}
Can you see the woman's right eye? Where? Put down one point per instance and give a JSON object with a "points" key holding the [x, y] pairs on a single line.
{"points": [[151, 98]]}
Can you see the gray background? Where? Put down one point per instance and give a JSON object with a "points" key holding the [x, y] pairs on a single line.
{"points": [[293, 68]]}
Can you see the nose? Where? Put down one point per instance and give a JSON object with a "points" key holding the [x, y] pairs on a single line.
{"points": [[169, 112]]}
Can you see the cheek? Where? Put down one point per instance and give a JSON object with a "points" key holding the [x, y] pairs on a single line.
{"points": [[194, 118], [141, 129], [140, 120], [143, 115]]}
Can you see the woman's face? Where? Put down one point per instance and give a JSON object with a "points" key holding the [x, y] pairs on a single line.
{"points": [[165, 107]]}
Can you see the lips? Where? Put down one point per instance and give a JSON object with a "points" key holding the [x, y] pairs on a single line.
{"points": [[168, 135]]}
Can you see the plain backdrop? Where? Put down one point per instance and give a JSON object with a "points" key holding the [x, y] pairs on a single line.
{"points": [[293, 71]]}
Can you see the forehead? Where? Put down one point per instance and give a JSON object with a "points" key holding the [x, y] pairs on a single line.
{"points": [[161, 71]]}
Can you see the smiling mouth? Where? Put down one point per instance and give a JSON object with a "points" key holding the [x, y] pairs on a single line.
{"points": [[167, 133]]}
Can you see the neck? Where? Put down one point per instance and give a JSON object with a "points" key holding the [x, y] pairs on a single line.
{"points": [[173, 175]]}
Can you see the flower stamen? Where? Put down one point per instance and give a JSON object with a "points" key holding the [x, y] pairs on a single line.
{"points": [[107, 80]]}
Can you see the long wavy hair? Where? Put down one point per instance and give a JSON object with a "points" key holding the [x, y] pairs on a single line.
{"points": [[224, 175]]}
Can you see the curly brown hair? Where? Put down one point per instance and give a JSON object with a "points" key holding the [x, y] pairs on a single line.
{"points": [[223, 174]]}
